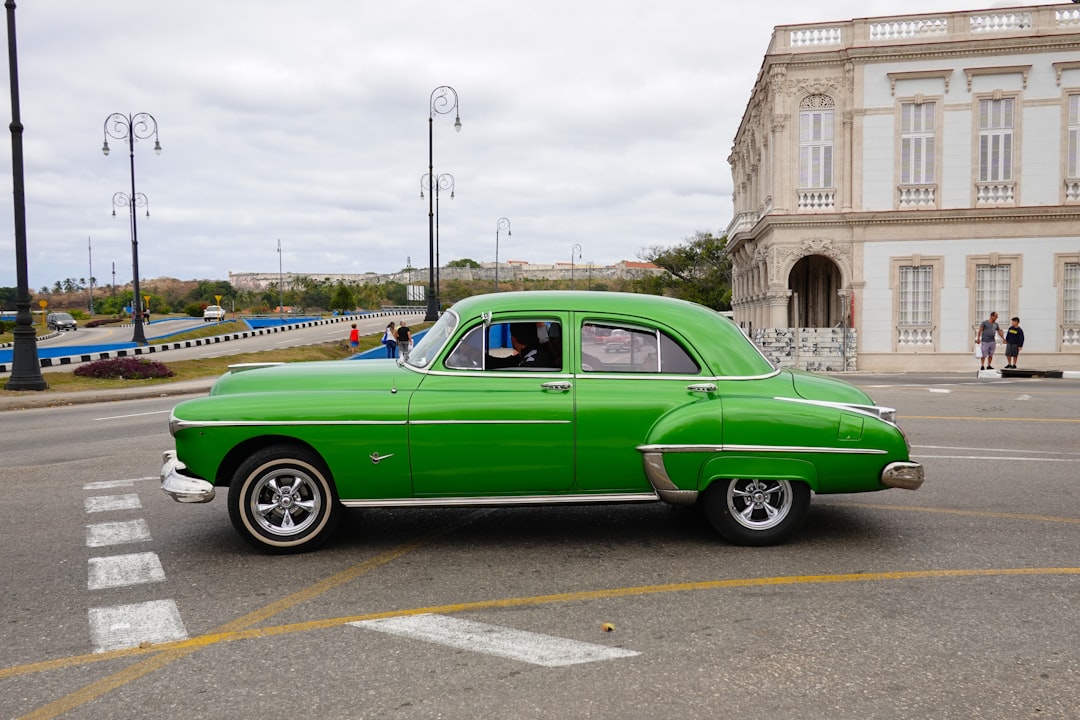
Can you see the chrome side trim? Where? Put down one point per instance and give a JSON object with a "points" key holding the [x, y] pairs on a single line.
{"points": [[661, 481], [903, 475], [757, 448], [490, 422], [176, 425], [180, 486], [485, 501]]}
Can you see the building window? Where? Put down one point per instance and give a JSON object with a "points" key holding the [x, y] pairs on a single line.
{"points": [[1072, 150], [992, 290], [916, 295], [996, 139], [816, 120], [1070, 294], [916, 286], [816, 143], [917, 143]]}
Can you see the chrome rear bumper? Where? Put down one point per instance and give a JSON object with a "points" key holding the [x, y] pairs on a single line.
{"points": [[180, 487], [904, 475]]}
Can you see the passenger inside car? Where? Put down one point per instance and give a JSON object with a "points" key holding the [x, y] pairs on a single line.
{"points": [[528, 352]]}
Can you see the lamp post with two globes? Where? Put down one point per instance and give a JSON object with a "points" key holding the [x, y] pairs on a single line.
{"points": [[444, 100], [443, 181], [140, 126]]}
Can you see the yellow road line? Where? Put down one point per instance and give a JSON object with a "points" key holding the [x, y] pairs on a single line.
{"points": [[945, 417], [950, 511]]}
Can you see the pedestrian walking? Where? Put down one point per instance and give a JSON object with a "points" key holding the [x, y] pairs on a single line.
{"points": [[404, 340], [389, 339], [354, 337]]}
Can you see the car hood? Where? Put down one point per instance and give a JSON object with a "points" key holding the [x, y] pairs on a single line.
{"points": [[325, 376]]}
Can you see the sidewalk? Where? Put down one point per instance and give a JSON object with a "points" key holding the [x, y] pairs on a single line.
{"points": [[25, 399]]}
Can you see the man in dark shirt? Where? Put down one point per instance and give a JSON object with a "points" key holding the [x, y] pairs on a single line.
{"points": [[528, 352]]}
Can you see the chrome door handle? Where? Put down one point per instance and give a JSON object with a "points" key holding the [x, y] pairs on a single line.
{"points": [[560, 385], [702, 387]]}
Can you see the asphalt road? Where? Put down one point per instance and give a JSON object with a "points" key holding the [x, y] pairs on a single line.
{"points": [[960, 600]]}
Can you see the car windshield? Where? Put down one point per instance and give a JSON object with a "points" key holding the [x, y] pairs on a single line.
{"points": [[63, 316], [427, 347]]}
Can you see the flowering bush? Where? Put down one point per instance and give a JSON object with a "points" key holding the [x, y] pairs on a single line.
{"points": [[128, 368]]}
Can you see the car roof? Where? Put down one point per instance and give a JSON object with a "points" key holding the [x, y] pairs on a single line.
{"points": [[716, 337]]}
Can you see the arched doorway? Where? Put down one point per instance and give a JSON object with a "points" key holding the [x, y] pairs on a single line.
{"points": [[815, 302]]}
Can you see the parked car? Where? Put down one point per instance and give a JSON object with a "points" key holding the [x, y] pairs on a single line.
{"points": [[617, 341], [61, 321], [213, 313], [691, 414]]}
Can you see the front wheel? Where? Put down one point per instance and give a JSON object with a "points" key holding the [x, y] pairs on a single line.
{"points": [[756, 512], [281, 499]]}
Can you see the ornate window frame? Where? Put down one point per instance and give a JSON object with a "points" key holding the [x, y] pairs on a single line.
{"points": [[918, 196], [997, 193], [1068, 337], [917, 338], [1016, 270]]}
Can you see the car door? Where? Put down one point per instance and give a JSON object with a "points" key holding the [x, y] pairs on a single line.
{"points": [[621, 394], [485, 432]]}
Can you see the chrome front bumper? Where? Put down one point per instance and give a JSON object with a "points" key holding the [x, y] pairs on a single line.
{"points": [[180, 487], [904, 475]]}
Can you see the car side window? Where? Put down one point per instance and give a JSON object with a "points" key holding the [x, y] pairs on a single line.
{"points": [[516, 346], [622, 349], [469, 352]]}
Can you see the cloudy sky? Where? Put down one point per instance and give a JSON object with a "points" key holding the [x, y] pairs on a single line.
{"points": [[602, 123]]}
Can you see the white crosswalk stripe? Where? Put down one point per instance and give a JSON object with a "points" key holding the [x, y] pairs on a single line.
{"points": [[126, 626], [117, 533], [121, 570]]}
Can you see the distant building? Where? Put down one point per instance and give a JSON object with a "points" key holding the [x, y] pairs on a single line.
{"points": [[508, 271], [904, 176]]}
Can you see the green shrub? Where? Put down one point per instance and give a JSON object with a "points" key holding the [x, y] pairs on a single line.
{"points": [[127, 368]]}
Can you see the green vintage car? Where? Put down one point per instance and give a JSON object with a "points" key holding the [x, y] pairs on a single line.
{"points": [[511, 399]]}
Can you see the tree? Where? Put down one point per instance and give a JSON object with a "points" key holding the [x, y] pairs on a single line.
{"points": [[342, 298], [698, 270], [463, 263]]}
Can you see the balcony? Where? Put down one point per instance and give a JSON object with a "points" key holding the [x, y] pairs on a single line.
{"points": [[913, 29]]}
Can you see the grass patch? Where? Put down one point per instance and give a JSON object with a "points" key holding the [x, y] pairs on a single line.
{"points": [[210, 330]]}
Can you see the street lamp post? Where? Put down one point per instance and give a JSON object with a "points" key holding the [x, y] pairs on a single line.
{"points": [[443, 101], [140, 126], [25, 366], [575, 248], [443, 181], [280, 282], [123, 200], [501, 224]]}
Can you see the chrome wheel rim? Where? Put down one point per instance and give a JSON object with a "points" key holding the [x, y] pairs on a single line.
{"points": [[285, 502], [759, 504]]}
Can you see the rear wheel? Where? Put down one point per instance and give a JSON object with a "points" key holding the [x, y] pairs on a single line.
{"points": [[281, 499], [756, 512]]}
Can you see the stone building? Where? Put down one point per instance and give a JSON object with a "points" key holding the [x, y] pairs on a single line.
{"points": [[897, 178]]}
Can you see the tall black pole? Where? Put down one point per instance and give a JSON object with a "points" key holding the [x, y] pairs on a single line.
{"points": [[25, 368], [136, 301]]}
